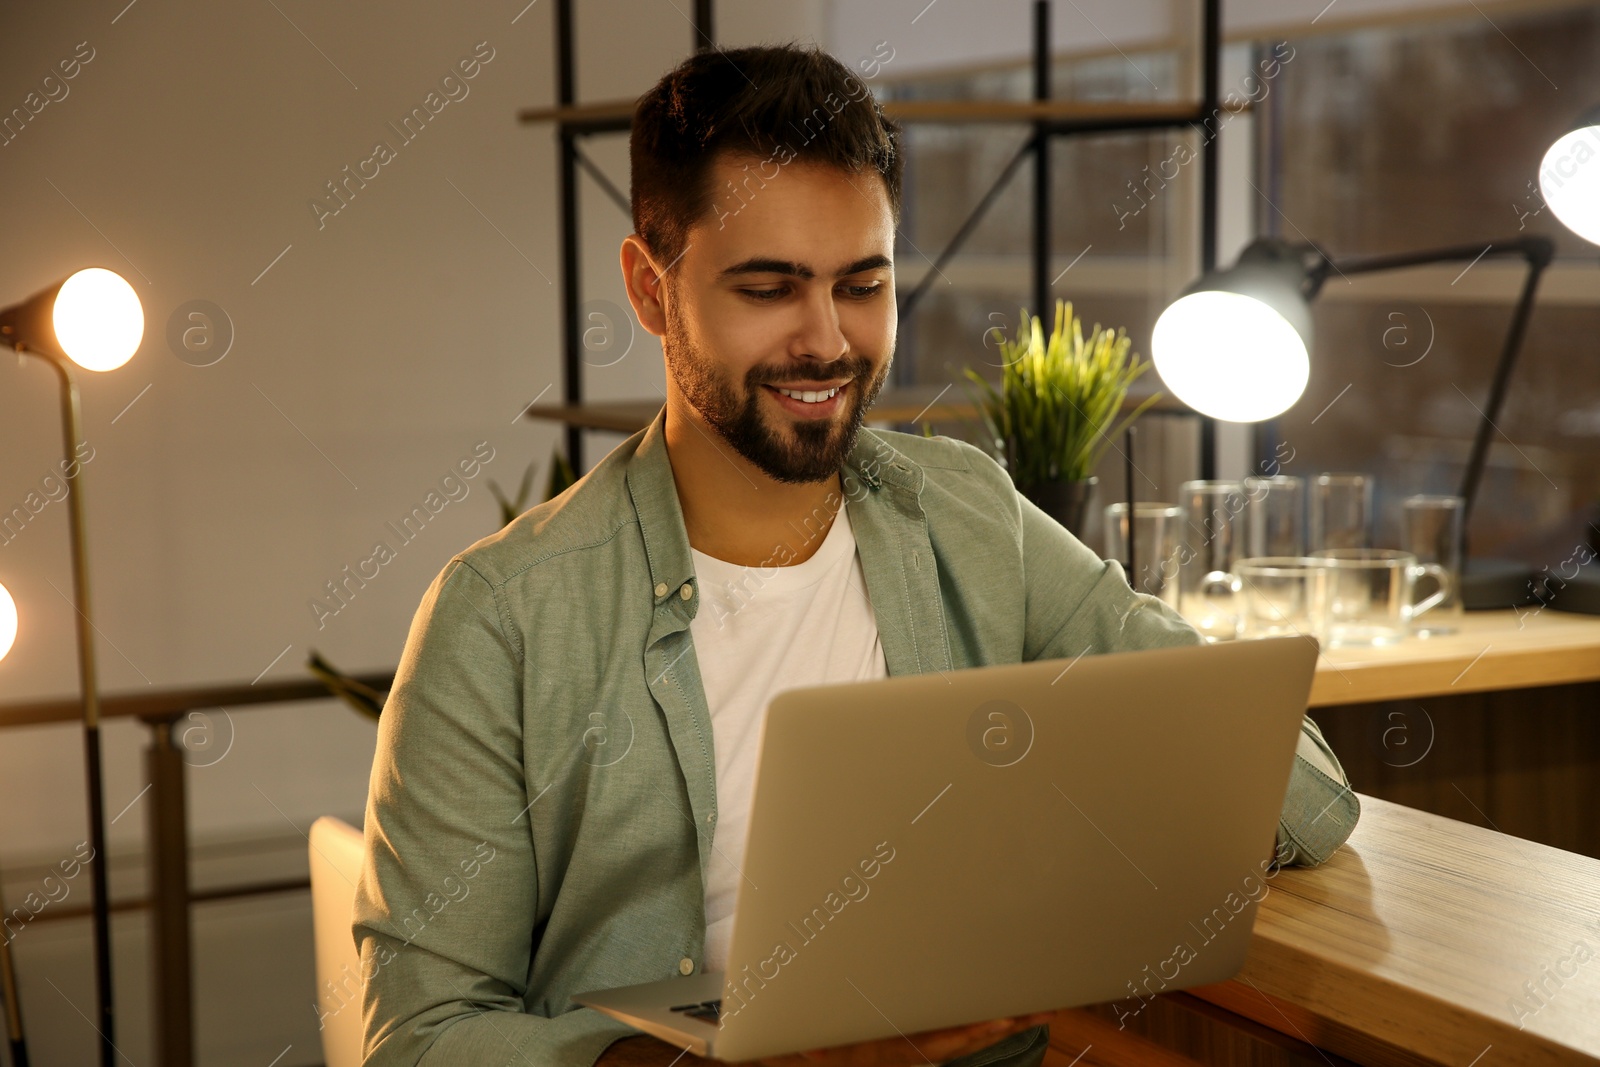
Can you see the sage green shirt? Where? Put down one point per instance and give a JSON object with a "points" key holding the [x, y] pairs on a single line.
{"points": [[543, 800]]}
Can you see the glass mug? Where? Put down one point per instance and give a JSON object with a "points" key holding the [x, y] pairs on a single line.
{"points": [[1431, 531], [1371, 594], [1341, 511], [1212, 530], [1282, 595], [1157, 535], [1275, 523]]}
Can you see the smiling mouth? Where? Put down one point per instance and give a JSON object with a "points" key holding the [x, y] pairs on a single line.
{"points": [[808, 396]]}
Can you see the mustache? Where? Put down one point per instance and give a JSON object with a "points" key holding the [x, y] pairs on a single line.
{"points": [[840, 368]]}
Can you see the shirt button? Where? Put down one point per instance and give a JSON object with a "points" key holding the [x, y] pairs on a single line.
{"points": [[687, 591], [686, 966], [711, 816], [661, 589]]}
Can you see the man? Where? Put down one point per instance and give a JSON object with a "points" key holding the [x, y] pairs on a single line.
{"points": [[564, 765]]}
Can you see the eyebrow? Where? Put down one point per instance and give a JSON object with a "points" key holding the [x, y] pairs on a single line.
{"points": [[765, 265]]}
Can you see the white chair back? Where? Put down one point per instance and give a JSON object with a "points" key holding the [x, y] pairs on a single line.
{"points": [[336, 853]]}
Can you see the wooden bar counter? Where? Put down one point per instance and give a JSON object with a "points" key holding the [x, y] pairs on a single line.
{"points": [[1492, 650], [1431, 937], [1422, 941], [1497, 725]]}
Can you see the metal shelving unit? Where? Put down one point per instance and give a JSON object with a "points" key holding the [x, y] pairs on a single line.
{"points": [[1049, 118]]}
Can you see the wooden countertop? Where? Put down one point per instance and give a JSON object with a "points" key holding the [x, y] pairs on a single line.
{"points": [[1492, 650], [1413, 944]]}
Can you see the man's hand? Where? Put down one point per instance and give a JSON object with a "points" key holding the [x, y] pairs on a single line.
{"points": [[913, 1050]]}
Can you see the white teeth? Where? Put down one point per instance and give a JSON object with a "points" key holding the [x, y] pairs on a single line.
{"points": [[810, 396]]}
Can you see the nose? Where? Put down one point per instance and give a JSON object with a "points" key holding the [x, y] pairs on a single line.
{"points": [[817, 334]]}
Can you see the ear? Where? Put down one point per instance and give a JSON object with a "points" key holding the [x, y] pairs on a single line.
{"points": [[643, 281]]}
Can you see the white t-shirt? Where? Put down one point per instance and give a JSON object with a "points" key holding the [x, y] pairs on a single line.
{"points": [[760, 630]]}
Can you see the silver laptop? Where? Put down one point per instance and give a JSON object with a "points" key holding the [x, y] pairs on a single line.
{"points": [[933, 850]]}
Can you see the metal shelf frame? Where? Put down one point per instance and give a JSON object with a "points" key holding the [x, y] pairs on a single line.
{"points": [[1049, 118]]}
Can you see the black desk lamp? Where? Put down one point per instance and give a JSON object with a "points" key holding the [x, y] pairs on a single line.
{"points": [[92, 319], [1569, 177], [1569, 182], [1234, 346]]}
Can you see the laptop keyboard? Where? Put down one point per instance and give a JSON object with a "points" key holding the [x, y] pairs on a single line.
{"points": [[705, 1010]]}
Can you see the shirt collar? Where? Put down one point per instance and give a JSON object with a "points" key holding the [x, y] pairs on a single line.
{"points": [[876, 463], [655, 501], [873, 462]]}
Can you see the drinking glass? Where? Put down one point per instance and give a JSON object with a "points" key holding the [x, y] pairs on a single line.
{"points": [[1157, 529], [1371, 594], [1282, 595], [1207, 586], [1275, 510], [1430, 529], [1341, 511]]}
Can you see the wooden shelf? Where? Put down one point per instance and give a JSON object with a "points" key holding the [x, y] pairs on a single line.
{"points": [[917, 403], [603, 111], [613, 112], [1033, 111], [1492, 650]]}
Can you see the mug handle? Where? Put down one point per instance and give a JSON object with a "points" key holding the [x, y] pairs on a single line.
{"points": [[1438, 596]]}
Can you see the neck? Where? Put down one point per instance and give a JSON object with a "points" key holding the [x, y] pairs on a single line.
{"points": [[733, 510]]}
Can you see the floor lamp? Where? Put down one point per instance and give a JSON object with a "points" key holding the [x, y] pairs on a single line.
{"points": [[10, 1002], [1235, 346], [92, 319]]}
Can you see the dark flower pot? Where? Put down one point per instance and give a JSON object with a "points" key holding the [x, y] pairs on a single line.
{"points": [[1066, 502]]}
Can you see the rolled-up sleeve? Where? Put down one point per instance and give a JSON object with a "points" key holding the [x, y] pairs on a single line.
{"points": [[445, 906], [1321, 809]]}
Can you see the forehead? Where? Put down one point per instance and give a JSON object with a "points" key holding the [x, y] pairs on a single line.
{"points": [[809, 213]]}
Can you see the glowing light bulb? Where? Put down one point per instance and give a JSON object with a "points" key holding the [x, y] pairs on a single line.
{"points": [[1230, 356], [8, 622], [98, 319], [1569, 181]]}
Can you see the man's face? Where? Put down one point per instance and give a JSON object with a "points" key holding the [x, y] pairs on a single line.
{"points": [[788, 285]]}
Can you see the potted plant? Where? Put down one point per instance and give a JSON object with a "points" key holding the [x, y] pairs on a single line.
{"points": [[1056, 409]]}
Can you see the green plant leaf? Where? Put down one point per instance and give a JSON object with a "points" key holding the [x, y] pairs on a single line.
{"points": [[561, 475], [1057, 405]]}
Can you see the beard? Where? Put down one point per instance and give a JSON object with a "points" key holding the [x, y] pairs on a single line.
{"points": [[797, 451]]}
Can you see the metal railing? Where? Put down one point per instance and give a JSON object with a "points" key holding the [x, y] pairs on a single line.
{"points": [[169, 897]]}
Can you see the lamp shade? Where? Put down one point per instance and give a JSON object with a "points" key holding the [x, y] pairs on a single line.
{"points": [[8, 621], [1233, 345], [1569, 178], [93, 318]]}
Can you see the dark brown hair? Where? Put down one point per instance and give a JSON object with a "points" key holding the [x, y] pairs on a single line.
{"points": [[778, 104]]}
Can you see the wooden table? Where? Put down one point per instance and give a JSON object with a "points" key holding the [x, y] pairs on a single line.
{"points": [[1410, 946], [1419, 935]]}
